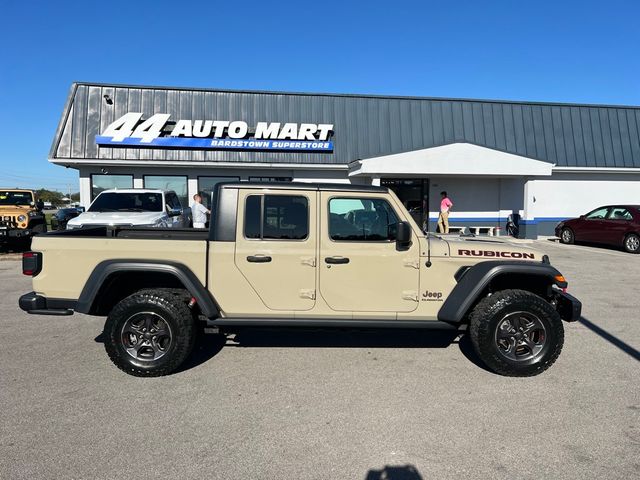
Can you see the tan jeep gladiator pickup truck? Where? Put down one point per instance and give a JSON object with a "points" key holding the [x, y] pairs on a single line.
{"points": [[316, 255]]}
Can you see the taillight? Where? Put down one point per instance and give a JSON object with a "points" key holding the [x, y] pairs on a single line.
{"points": [[31, 263]]}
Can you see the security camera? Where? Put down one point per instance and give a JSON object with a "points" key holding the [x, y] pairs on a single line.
{"points": [[104, 170]]}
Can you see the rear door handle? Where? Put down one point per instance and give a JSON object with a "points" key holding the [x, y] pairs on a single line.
{"points": [[336, 260], [258, 258]]}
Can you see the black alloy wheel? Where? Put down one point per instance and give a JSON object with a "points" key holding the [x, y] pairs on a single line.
{"points": [[150, 333]]}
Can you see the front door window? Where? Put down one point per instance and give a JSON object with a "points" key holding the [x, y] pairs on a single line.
{"points": [[361, 220], [599, 214]]}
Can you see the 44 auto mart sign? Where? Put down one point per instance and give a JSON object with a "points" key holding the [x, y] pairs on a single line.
{"points": [[157, 131]]}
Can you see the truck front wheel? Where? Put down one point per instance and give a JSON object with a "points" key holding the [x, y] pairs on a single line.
{"points": [[516, 333], [149, 333]]}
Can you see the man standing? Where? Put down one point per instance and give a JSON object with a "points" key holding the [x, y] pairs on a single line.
{"points": [[445, 207], [199, 212]]}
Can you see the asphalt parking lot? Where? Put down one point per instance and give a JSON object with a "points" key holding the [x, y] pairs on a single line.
{"points": [[340, 405]]}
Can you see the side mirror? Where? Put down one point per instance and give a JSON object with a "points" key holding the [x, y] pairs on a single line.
{"points": [[403, 236], [174, 212]]}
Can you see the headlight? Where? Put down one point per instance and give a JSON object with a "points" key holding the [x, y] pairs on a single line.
{"points": [[21, 218], [33, 214], [71, 226]]}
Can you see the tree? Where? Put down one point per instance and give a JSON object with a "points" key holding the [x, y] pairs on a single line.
{"points": [[49, 196]]}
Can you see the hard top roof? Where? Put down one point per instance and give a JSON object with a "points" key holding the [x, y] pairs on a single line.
{"points": [[135, 190], [305, 186]]}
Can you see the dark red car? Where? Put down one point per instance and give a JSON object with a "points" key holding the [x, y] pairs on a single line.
{"points": [[616, 225]]}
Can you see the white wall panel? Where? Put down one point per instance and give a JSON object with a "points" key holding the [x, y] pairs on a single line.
{"points": [[570, 196]]}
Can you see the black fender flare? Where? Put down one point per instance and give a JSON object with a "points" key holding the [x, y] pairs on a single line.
{"points": [[180, 271], [477, 278]]}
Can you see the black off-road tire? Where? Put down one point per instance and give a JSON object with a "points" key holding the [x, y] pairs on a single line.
{"points": [[567, 236], [491, 312], [171, 308], [632, 243]]}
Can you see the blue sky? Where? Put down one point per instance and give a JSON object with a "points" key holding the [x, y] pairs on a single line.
{"points": [[571, 51]]}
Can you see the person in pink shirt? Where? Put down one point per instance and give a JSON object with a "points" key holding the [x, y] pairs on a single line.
{"points": [[445, 208]]}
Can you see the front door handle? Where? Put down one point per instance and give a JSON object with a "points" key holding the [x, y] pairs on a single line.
{"points": [[258, 258], [336, 260]]}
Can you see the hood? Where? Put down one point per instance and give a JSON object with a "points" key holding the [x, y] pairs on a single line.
{"points": [[116, 218], [14, 209], [492, 250]]}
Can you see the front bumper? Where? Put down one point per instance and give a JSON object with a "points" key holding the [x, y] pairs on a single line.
{"points": [[39, 305], [8, 234], [558, 230], [569, 307]]}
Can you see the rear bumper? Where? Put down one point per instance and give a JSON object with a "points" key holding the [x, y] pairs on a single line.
{"points": [[569, 307], [39, 305]]}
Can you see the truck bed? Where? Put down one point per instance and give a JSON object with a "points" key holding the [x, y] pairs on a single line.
{"points": [[70, 256], [134, 232]]}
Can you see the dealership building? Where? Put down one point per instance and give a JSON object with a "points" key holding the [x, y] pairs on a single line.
{"points": [[542, 161]]}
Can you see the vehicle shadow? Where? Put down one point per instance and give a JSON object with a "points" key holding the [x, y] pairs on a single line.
{"points": [[355, 338], [393, 472], [208, 346]]}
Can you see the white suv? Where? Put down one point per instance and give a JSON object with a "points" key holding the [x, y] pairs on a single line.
{"points": [[134, 207]]}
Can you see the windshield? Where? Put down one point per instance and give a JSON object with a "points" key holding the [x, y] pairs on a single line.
{"points": [[15, 198], [127, 202]]}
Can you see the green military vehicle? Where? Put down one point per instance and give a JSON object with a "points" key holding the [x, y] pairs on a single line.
{"points": [[303, 255], [20, 218]]}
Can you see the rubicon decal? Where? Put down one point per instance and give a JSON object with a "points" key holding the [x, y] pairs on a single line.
{"points": [[157, 131], [496, 254]]}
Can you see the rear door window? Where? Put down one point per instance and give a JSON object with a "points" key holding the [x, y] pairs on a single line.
{"points": [[620, 213], [276, 217]]}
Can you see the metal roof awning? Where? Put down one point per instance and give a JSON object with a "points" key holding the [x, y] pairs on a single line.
{"points": [[463, 159]]}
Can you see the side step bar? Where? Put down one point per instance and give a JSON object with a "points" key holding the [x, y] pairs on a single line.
{"points": [[330, 323]]}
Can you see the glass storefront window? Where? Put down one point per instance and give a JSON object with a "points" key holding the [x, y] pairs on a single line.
{"points": [[102, 182], [177, 183], [206, 185], [414, 195]]}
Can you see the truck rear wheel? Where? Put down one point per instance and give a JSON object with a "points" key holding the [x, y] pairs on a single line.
{"points": [[149, 333], [516, 333]]}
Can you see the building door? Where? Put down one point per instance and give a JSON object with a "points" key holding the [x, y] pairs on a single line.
{"points": [[360, 268], [414, 195], [276, 247]]}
